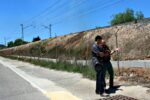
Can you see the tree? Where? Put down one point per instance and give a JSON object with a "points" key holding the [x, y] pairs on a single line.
{"points": [[118, 19], [36, 39], [129, 15], [19, 42], [10, 44], [139, 15], [126, 16]]}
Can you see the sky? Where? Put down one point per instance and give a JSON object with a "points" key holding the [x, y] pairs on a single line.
{"points": [[65, 16]]}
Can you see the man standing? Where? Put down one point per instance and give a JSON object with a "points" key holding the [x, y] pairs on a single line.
{"points": [[97, 60], [107, 64]]}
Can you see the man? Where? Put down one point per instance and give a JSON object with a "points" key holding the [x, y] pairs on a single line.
{"points": [[97, 59], [107, 64]]}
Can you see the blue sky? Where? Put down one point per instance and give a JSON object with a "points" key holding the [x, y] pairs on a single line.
{"points": [[66, 16]]}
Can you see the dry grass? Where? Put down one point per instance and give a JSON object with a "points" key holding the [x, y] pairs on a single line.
{"points": [[133, 39], [136, 76]]}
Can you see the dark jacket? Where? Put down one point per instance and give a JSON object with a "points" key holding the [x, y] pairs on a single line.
{"points": [[96, 59], [107, 53]]}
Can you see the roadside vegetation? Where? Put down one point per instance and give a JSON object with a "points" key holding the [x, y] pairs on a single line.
{"points": [[130, 76], [86, 71]]}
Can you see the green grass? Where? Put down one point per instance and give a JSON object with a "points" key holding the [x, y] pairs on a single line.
{"points": [[86, 71]]}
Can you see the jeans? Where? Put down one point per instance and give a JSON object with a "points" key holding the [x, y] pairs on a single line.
{"points": [[100, 78], [108, 68]]}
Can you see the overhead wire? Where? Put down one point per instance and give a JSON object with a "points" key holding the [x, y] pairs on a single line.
{"points": [[88, 11], [76, 5], [64, 16], [49, 8]]}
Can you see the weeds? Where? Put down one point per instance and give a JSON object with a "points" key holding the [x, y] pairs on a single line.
{"points": [[86, 71]]}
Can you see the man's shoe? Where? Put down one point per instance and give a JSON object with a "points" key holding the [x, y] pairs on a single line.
{"points": [[97, 92], [104, 95], [111, 86], [107, 91]]}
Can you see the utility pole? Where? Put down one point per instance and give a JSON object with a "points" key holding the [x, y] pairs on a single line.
{"points": [[50, 34], [55, 35], [5, 41], [56, 44], [116, 36], [87, 49], [49, 27], [22, 30]]}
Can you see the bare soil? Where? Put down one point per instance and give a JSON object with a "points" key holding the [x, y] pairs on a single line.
{"points": [[134, 76]]}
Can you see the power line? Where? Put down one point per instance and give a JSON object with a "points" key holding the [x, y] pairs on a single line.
{"points": [[22, 30], [75, 6], [44, 11], [89, 11], [54, 5], [81, 1], [49, 28]]}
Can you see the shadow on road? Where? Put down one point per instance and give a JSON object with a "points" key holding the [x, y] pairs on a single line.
{"points": [[110, 91], [113, 90]]}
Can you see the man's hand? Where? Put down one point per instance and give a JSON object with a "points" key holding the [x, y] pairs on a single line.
{"points": [[101, 54], [117, 49]]}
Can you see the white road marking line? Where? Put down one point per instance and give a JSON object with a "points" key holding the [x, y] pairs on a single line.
{"points": [[53, 95]]}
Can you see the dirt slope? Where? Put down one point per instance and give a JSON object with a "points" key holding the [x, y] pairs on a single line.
{"points": [[133, 39]]}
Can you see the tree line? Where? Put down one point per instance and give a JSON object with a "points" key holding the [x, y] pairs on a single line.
{"points": [[19, 41], [127, 16]]}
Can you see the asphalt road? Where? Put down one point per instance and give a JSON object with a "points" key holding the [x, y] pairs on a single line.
{"points": [[13, 87], [56, 85]]}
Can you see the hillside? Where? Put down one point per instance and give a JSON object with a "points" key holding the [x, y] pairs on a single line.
{"points": [[2, 46], [133, 39]]}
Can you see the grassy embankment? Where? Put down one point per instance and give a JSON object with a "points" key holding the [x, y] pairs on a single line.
{"points": [[131, 75], [86, 71]]}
